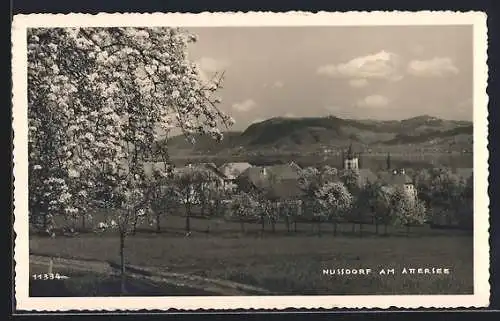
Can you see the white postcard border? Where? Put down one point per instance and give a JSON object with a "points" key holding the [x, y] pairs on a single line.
{"points": [[480, 298]]}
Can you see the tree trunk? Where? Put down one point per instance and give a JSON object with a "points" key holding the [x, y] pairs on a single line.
{"points": [[158, 225], [122, 263], [287, 222], [45, 221], [273, 225], [188, 216], [242, 224], [134, 226], [407, 230], [83, 222], [262, 222]]}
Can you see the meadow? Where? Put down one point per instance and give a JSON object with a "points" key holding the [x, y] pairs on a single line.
{"points": [[284, 263]]}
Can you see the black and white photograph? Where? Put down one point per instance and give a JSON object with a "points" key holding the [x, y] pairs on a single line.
{"points": [[308, 163]]}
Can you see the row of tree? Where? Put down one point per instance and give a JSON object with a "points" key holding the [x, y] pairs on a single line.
{"points": [[329, 200], [442, 198], [325, 198]]}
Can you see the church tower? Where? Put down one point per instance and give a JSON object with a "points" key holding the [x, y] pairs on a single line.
{"points": [[351, 161]]}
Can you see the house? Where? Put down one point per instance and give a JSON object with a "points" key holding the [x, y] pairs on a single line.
{"points": [[277, 182], [209, 170], [289, 171], [210, 176], [232, 170], [390, 178], [398, 179]]}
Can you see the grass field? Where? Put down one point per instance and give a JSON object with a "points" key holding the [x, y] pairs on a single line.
{"points": [[282, 262], [95, 284]]}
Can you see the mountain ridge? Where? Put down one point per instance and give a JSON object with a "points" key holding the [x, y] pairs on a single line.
{"points": [[308, 133]]}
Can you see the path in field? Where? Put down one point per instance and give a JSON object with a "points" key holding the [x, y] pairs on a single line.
{"points": [[217, 286]]}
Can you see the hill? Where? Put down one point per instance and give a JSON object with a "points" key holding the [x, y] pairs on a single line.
{"points": [[314, 133]]}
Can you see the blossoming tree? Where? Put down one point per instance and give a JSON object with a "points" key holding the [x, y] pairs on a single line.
{"points": [[350, 177], [163, 193], [335, 200], [98, 99], [309, 182], [188, 182], [244, 207], [372, 203], [407, 211]]}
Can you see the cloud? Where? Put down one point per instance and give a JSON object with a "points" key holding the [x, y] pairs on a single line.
{"points": [[382, 65], [358, 83], [244, 106], [373, 101], [211, 65], [436, 67], [278, 84]]}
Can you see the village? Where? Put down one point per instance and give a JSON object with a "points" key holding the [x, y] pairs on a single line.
{"points": [[289, 189]]}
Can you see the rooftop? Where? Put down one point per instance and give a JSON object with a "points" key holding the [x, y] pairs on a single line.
{"points": [[398, 178], [278, 181], [233, 170]]}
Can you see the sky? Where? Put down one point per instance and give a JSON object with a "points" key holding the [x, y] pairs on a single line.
{"points": [[386, 72]]}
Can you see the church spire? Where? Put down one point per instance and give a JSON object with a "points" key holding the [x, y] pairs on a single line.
{"points": [[350, 154]]}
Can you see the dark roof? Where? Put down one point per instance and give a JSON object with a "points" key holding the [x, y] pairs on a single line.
{"points": [[254, 175], [279, 181], [390, 178], [285, 189], [285, 171]]}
